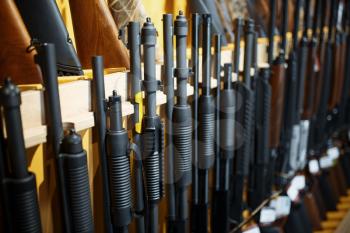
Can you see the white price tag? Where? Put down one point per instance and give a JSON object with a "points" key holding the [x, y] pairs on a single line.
{"points": [[267, 215], [254, 229], [299, 182], [326, 162], [313, 166], [333, 153], [282, 206], [293, 193]]}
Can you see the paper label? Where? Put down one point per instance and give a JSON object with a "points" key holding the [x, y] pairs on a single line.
{"points": [[254, 229], [267, 215], [299, 182], [333, 153], [314, 166], [293, 193], [282, 206], [326, 162]]}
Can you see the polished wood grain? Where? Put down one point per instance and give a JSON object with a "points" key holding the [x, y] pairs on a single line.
{"points": [[14, 60], [96, 34]]}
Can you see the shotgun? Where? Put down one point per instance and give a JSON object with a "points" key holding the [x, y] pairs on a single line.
{"points": [[244, 116], [206, 129], [96, 34], [117, 151], [237, 49], [167, 69], [224, 158], [195, 207], [21, 199], [301, 126], [134, 47], [258, 192], [182, 122], [45, 25], [152, 135], [14, 42], [99, 109], [70, 158], [277, 82]]}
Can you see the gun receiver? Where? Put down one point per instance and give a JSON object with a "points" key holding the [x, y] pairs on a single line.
{"points": [[206, 132], [220, 209], [96, 34], [152, 129], [14, 41], [70, 159], [244, 116], [136, 99], [99, 109], [45, 25], [21, 195]]}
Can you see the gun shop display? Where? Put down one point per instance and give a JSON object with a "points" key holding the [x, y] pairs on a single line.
{"points": [[205, 117]]}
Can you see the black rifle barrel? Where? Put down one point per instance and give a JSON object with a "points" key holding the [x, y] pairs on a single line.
{"points": [[98, 106], [271, 31], [284, 25], [217, 72], [169, 90], [136, 98], [117, 144], [46, 59], [21, 195], [182, 120], [296, 24], [236, 55], [195, 70], [206, 134]]}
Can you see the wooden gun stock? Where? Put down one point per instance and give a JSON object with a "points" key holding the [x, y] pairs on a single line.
{"points": [[318, 84], [15, 61], [277, 82], [96, 34], [338, 75]]}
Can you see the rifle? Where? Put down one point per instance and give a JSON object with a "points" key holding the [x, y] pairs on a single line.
{"points": [[258, 192], [220, 209], [72, 173], [167, 69], [208, 7], [99, 109], [136, 99], [195, 208], [244, 116], [117, 150], [313, 66], [96, 33], [14, 41], [20, 197], [301, 126], [183, 126], [45, 25], [277, 82], [206, 132], [152, 135]]}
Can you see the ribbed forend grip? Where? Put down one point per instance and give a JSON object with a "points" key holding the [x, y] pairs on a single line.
{"points": [[24, 204], [78, 190], [244, 118], [182, 144], [151, 165], [206, 131]]}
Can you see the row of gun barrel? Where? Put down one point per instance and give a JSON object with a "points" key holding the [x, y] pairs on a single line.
{"points": [[256, 133]]}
